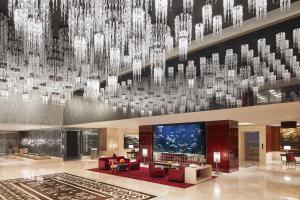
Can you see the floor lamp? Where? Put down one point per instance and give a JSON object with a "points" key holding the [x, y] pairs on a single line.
{"points": [[217, 158], [145, 154]]}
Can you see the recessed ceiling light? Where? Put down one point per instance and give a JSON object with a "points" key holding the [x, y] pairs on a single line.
{"points": [[245, 123]]}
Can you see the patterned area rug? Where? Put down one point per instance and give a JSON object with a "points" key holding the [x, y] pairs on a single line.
{"points": [[65, 186]]}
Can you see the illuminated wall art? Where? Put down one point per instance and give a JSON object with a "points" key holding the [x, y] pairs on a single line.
{"points": [[131, 139], [290, 137]]}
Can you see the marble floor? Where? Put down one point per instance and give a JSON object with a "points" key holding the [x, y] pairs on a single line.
{"points": [[272, 182]]}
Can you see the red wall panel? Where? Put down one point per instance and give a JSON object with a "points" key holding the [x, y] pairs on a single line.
{"points": [[146, 141], [222, 136]]}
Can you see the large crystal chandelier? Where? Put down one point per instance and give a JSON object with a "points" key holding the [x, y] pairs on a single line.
{"points": [[183, 33], [103, 38]]}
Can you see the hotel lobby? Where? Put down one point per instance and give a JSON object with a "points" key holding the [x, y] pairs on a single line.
{"points": [[149, 99]]}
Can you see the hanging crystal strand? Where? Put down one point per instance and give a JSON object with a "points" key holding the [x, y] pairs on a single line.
{"points": [[261, 9], [3, 38], [251, 6], [161, 10], [112, 85], [217, 25], [183, 32], [202, 66], [261, 45], [244, 53], [228, 9], [99, 43], [137, 69], [237, 16], [188, 6], [199, 32], [191, 74], [207, 17], [285, 5], [169, 44], [296, 38], [20, 21], [215, 61], [280, 39]]}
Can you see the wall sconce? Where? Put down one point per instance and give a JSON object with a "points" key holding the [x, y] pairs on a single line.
{"points": [[145, 154], [217, 159]]}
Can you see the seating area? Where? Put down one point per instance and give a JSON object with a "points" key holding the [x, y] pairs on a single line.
{"points": [[164, 174], [109, 163]]}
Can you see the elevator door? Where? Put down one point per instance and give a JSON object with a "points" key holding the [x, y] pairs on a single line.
{"points": [[72, 145], [252, 146]]}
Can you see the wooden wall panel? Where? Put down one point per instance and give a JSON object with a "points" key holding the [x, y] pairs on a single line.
{"points": [[272, 138], [102, 139]]}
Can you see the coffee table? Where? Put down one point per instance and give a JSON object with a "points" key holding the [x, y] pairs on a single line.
{"points": [[122, 166]]}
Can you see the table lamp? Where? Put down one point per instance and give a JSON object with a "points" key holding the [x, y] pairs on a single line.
{"points": [[217, 159], [287, 148], [145, 154]]}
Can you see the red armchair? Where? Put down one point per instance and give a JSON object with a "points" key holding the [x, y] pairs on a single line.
{"points": [[156, 172], [176, 175], [136, 164], [291, 159]]}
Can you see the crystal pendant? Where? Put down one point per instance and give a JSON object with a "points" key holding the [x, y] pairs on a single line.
{"points": [[261, 9], [217, 25], [296, 38], [199, 32], [207, 16], [228, 9], [237, 16]]}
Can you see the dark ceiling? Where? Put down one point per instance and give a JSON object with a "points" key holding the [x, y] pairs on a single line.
{"points": [[176, 9]]}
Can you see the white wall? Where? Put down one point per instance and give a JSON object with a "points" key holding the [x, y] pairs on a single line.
{"points": [[262, 141]]}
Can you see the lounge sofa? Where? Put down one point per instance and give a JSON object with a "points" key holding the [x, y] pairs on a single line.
{"points": [[104, 163]]}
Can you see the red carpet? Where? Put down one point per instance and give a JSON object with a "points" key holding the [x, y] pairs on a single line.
{"points": [[143, 175]]}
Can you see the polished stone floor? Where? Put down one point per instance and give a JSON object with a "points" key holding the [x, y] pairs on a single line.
{"points": [[272, 182]]}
